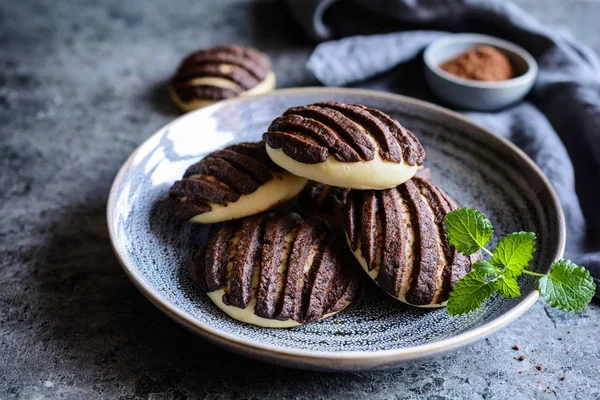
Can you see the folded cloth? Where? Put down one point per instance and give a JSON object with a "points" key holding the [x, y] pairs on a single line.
{"points": [[557, 125]]}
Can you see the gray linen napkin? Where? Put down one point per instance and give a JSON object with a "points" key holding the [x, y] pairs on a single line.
{"points": [[558, 125]]}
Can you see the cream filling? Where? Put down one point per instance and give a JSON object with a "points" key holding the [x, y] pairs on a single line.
{"points": [[266, 85], [375, 174], [213, 81], [373, 275], [248, 316], [278, 190]]}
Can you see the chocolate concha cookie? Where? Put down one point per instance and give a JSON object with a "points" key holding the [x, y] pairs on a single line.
{"points": [[277, 270], [234, 182], [344, 145], [399, 237], [219, 73]]}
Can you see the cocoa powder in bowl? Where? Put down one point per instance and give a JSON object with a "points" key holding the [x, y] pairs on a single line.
{"points": [[482, 63]]}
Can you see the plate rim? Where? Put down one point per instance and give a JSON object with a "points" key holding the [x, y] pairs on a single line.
{"points": [[312, 357]]}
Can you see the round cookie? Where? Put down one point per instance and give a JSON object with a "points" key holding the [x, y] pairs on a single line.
{"points": [[399, 237], [344, 145], [277, 270], [234, 182], [219, 73]]}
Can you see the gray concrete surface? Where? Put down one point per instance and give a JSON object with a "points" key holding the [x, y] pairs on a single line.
{"points": [[81, 84]]}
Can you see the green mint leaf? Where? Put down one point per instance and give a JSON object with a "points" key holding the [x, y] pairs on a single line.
{"points": [[485, 268], [469, 293], [567, 287], [514, 252], [508, 287], [468, 230]]}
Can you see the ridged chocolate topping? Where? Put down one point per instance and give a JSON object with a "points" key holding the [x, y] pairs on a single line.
{"points": [[401, 235], [222, 176], [293, 268], [243, 67], [309, 134]]}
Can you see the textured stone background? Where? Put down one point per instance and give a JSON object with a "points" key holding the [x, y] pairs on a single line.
{"points": [[81, 84]]}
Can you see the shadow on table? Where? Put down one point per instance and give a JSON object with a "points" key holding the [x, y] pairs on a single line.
{"points": [[160, 100], [103, 331], [275, 28]]}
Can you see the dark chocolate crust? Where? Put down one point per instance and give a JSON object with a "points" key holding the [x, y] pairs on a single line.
{"points": [[244, 67], [244, 258], [222, 176], [378, 223], [309, 134]]}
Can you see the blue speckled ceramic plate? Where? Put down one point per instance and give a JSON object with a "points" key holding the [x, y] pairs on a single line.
{"points": [[475, 167]]}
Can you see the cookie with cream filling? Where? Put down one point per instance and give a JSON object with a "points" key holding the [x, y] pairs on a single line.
{"points": [[344, 145], [399, 237], [234, 182], [277, 270], [219, 73]]}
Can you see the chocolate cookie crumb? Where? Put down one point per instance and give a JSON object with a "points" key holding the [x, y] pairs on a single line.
{"points": [[562, 378], [539, 367], [521, 358], [516, 347]]}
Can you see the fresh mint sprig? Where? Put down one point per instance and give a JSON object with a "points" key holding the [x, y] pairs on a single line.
{"points": [[567, 286]]}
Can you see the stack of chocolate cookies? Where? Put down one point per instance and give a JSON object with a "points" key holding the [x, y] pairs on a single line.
{"points": [[343, 165]]}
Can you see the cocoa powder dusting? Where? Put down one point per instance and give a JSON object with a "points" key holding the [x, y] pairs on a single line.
{"points": [[483, 63]]}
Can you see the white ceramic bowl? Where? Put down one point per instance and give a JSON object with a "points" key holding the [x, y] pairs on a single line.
{"points": [[472, 94]]}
